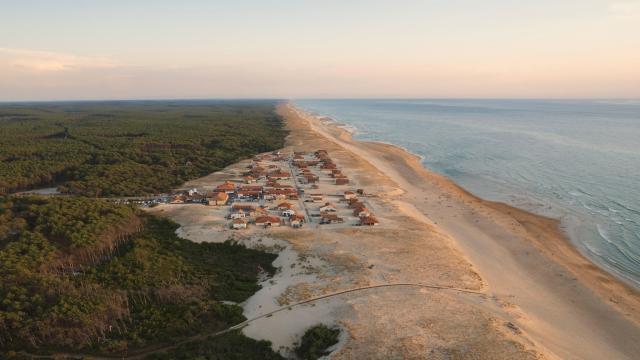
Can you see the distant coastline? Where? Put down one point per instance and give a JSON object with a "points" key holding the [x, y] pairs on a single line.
{"points": [[555, 224], [566, 231], [519, 255], [571, 222]]}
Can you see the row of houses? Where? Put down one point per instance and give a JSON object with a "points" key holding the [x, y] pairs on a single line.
{"points": [[360, 210], [243, 214], [321, 159], [365, 217], [193, 196], [272, 190]]}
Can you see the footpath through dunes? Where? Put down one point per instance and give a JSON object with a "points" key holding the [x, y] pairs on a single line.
{"points": [[562, 305], [378, 321], [397, 322]]}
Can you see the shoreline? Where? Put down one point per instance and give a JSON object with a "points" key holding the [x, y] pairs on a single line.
{"points": [[541, 266], [534, 296], [564, 230], [498, 205]]}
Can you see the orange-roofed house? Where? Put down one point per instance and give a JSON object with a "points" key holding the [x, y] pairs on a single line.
{"points": [[296, 221], [218, 199], [285, 206], [361, 212], [227, 187], [348, 195], [279, 175], [310, 178], [249, 209], [368, 221], [267, 221], [178, 199]]}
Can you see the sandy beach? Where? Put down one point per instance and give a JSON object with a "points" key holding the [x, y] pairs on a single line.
{"points": [[538, 296]]}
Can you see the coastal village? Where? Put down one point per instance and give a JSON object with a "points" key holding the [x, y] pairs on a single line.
{"points": [[286, 190]]}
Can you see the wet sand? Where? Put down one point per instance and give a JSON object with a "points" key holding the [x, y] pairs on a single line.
{"points": [[566, 306]]}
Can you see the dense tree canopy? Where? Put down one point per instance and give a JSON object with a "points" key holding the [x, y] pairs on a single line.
{"points": [[84, 275], [129, 148], [152, 287]]}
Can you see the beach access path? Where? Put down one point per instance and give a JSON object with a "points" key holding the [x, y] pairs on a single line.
{"points": [[569, 308]]}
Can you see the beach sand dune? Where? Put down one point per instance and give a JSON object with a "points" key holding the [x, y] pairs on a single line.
{"points": [[566, 306], [538, 296]]}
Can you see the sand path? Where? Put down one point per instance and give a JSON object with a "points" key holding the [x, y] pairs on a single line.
{"points": [[542, 299], [567, 315]]}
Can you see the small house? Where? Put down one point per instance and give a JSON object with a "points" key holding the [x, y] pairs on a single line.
{"points": [[361, 212], [178, 199], [348, 195], [227, 187], [311, 179], [218, 198], [248, 195], [330, 219], [328, 207], [368, 221], [249, 209], [267, 221], [288, 213], [328, 166], [285, 206], [296, 221], [238, 224], [279, 175]]}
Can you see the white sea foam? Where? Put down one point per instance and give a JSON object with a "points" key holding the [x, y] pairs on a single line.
{"points": [[569, 157]]}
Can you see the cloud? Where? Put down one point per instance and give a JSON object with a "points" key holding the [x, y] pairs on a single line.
{"points": [[45, 61]]}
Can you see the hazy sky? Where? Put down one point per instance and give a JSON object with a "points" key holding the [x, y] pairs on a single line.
{"points": [[86, 49]]}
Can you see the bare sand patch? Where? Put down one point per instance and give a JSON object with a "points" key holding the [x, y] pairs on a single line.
{"points": [[539, 298]]}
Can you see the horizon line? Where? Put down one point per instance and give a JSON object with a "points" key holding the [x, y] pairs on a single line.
{"points": [[81, 100]]}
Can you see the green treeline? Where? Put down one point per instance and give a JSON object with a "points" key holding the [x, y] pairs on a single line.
{"points": [[150, 288], [87, 276], [129, 148]]}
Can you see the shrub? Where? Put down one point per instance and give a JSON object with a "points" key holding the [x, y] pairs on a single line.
{"points": [[316, 340]]}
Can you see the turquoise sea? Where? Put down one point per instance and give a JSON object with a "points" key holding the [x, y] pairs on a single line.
{"points": [[576, 160]]}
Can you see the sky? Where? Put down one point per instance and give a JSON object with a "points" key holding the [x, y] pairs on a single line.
{"points": [[115, 49]]}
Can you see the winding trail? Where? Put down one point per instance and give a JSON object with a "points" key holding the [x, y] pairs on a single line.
{"points": [[142, 353]]}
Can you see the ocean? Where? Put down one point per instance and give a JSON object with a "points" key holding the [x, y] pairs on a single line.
{"points": [[575, 160]]}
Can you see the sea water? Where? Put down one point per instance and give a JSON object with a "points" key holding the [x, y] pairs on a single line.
{"points": [[576, 160]]}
